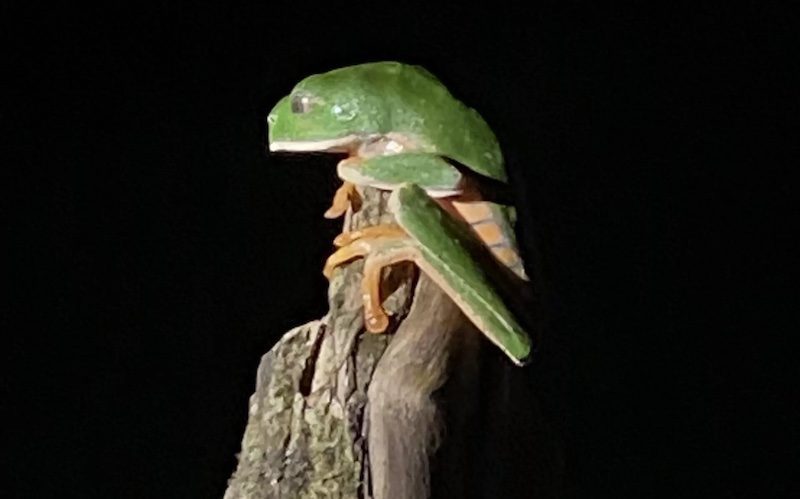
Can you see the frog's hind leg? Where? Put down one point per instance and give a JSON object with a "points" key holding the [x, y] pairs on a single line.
{"points": [[375, 317]]}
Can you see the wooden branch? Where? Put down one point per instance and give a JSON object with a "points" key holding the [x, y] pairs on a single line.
{"points": [[341, 413]]}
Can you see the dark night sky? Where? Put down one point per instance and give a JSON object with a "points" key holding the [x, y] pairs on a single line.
{"points": [[171, 251]]}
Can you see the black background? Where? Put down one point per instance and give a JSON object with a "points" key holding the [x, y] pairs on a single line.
{"points": [[160, 251]]}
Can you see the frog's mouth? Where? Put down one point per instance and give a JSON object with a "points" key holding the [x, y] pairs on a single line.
{"points": [[348, 143]]}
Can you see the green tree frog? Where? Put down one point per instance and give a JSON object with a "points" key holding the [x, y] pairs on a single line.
{"points": [[403, 131]]}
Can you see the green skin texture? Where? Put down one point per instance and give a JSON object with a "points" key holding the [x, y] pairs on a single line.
{"points": [[356, 103]]}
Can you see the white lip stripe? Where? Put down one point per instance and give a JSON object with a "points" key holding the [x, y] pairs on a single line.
{"points": [[311, 145]]}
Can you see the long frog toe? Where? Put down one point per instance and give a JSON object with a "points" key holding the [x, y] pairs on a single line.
{"points": [[375, 318], [393, 251], [383, 230]]}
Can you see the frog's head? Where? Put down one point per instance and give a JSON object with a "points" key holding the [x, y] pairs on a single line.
{"points": [[334, 111], [343, 109]]}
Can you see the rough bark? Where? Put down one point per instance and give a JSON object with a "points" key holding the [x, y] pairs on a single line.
{"points": [[340, 413]]}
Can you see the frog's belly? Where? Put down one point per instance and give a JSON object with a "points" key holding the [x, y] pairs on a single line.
{"points": [[493, 229]]}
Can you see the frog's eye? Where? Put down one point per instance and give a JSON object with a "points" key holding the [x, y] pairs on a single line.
{"points": [[301, 103]]}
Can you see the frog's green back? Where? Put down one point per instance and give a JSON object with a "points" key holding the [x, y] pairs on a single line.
{"points": [[410, 100]]}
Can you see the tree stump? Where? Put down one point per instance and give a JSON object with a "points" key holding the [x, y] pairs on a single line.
{"points": [[420, 411]]}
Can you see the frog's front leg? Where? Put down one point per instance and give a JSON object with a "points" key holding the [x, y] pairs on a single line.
{"points": [[345, 196], [428, 171]]}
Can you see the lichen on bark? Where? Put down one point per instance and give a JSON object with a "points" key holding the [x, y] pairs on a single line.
{"points": [[305, 434]]}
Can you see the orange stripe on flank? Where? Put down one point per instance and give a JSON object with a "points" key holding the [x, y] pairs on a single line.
{"points": [[489, 233], [472, 212], [506, 255]]}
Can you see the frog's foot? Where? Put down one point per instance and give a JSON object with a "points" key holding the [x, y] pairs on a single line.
{"points": [[344, 197], [383, 230], [379, 251]]}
